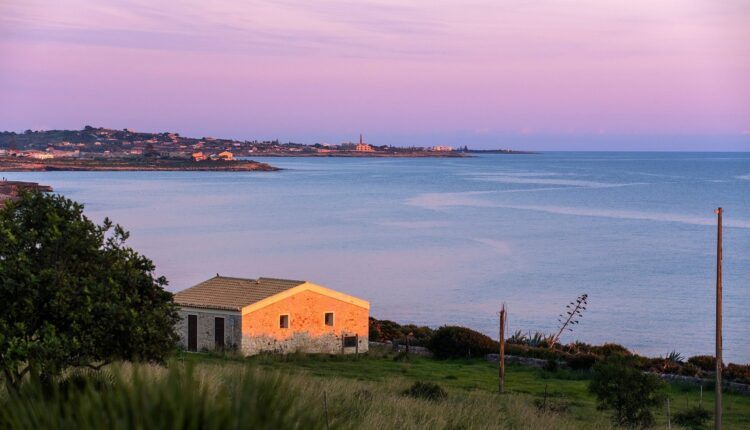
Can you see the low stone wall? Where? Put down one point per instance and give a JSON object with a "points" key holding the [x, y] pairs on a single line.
{"points": [[692, 380], [397, 347], [301, 342], [514, 359]]}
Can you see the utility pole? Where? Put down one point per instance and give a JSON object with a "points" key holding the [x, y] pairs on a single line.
{"points": [[717, 405], [501, 357]]}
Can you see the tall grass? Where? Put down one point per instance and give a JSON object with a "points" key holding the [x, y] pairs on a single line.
{"points": [[234, 395], [146, 397]]}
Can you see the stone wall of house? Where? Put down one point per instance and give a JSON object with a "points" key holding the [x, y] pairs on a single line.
{"points": [[206, 326], [300, 342], [307, 331]]}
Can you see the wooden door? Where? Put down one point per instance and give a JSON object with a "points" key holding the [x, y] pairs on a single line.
{"points": [[192, 333], [219, 333]]}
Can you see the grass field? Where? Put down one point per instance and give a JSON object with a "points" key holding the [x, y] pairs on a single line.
{"points": [[212, 391], [568, 401]]}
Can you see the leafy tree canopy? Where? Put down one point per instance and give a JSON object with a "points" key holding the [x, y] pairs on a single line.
{"points": [[72, 294], [620, 385]]}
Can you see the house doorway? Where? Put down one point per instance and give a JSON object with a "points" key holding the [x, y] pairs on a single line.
{"points": [[219, 333], [192, 333]]}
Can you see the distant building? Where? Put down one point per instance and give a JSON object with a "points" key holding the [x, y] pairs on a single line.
{"points": [[226, 155], [442, 148], [39, 155], [198, 156], [362, 146]]}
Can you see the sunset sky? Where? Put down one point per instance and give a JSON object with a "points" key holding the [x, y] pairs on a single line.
{"points": [[600, 75]]}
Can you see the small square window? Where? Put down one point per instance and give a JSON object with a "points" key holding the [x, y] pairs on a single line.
{"points": [[284, 321], [329, 318]]}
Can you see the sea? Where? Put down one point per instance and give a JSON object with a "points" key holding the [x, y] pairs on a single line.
{"points": [[447, 241]]}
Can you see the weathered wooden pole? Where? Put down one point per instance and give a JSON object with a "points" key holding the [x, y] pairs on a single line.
{"points": [[717, 404], [501, 357]]}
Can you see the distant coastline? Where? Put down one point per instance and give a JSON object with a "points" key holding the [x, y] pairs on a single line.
{"points": [[103, 149], [15, 164]]}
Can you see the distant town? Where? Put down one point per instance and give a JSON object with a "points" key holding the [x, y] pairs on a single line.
{"points": [[103, 143]]}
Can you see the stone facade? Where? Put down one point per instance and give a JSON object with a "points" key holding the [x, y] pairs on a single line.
{"points": [[307, 331], [300, 342], [206, 326]]}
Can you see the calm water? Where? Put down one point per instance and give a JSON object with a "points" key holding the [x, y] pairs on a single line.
{"points": [[445, 241]]}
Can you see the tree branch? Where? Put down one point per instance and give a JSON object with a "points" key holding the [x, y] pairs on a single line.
{"points": [[96, 367]]}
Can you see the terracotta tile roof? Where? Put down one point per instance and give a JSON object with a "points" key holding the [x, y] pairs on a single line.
{"points": [[221, 292]]}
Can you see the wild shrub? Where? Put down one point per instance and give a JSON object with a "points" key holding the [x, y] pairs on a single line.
{"points": [[582, 361], [704, 362], [738, 373], [534, 352], [386, 330], [610, 349], [551, 365], [460, 342], [693, 418], [621, 386], [427, 391]]}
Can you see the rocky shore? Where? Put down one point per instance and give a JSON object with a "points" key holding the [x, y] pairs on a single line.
{"points": [[15, 164], [10, 190]]}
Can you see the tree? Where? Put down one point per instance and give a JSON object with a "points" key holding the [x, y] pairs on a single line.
{"points": [[620, 385], [73, 295]]}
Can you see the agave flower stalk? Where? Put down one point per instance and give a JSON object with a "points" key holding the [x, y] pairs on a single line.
{"points": [[572, 317]]}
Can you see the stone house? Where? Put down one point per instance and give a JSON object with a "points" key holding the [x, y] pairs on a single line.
{"points": [[271, 315]]}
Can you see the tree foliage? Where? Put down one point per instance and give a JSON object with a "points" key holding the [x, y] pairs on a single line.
{"points": [[620, 385], [72, 294]]}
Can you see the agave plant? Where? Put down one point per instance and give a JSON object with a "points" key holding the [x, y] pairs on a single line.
{"points": [[571, 317], [518, 338], [674, 357], [538, 339]]}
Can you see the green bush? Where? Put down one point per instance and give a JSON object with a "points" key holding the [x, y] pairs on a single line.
{"points": [[738, 373], [427, 391], [582, 361], [385, 330], [460, 342], [704, 362], [551, 365], [534, 352], [620, 385], [693, 418], [609, 349]]}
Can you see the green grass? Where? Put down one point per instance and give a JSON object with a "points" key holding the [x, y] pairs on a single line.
{"points": [[212, 391], [565, 388]]}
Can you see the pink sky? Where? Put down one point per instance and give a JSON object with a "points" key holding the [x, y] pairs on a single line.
{"points": [[435, 70]]}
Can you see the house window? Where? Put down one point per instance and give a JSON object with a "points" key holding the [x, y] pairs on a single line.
{"points": [[329, 318], [284, 321], [350, 341]]}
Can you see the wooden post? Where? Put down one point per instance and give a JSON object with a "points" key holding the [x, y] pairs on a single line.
{"points": [[356, 347], [501, 357], [717, 405]]}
